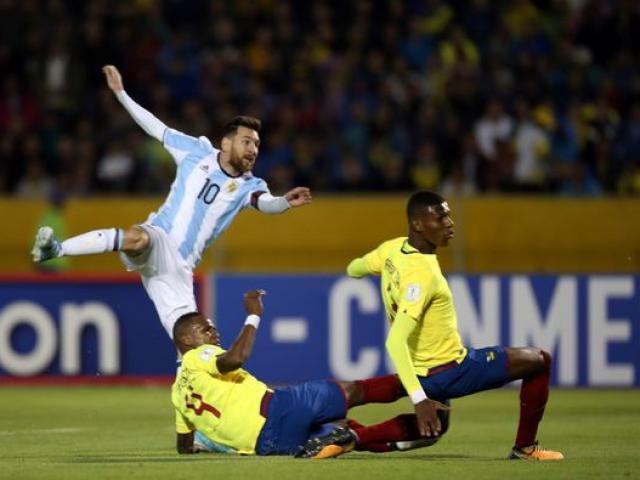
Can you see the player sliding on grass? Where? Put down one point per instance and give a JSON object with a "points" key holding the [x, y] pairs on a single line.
{"points": [[236, 412], [423, 341], [210, 189]]}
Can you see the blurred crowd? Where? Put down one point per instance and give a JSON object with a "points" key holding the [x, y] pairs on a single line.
{"points": [[465, 97]]}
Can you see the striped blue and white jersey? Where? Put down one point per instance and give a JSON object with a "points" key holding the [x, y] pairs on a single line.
{"points": [[203, 200]]}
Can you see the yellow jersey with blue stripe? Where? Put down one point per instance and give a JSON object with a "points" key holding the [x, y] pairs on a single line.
{"points": [[224, 407], [412, 283]]}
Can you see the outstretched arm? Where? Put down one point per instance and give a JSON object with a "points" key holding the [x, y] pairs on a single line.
{"points": [[298, 197], [369, 264], [358, 268], [397, 347], [241, 349], [147, 121], [267, 203]]}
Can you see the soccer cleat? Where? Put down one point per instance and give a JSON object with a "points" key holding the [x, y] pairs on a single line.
{"points": [[536, 453], [46, 246], [339, 441], [413, 444]]}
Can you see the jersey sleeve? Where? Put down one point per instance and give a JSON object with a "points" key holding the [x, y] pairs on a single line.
{"points": [[179, 144], [260, 188], [144, 118], [182, 424], [369, 264], [205, 359], [357, 268], [398, 350], [374, 260], [415, 293]]}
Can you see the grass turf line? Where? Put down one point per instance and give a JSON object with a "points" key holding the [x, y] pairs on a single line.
{"points": [[111, 432]]}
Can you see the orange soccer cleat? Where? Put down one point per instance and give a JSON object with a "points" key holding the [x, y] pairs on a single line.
{"points": [[339, 441], [534, 452]]}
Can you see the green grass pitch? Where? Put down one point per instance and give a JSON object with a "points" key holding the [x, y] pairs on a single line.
{"points": [[118, 433]]}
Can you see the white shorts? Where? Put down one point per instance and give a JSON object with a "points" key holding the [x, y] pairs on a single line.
{"points": [[166, 277]]}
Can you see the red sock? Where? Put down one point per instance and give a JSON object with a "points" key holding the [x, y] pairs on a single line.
{"points": [[398, 429], [533, 398], [375, 447], [353, 424], [381, 389]]}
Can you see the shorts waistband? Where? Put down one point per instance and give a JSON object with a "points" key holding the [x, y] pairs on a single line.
{"points": [[264, 403], [442, 368]]}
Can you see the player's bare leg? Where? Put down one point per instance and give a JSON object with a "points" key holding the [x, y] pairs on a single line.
{"points": [[136, 241], [533, 366]]}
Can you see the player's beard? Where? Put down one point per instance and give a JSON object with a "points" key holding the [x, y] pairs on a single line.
{"points": [[241, 164]]}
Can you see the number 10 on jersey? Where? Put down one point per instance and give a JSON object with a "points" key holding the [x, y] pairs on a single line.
{"points": [[209, 192]]}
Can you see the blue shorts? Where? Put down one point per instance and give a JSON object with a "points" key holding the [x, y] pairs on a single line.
{"points": [[481, 369], [295, 411]]}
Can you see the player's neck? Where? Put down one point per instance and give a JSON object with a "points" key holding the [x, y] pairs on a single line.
{"points": [[420, 244], [227, 167]]}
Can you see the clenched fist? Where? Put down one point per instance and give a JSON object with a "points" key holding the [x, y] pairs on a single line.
{"points": [[253, 302]]}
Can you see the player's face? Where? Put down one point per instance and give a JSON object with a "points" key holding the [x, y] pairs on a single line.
{"points": [[244, 149], [205, 333], [437, 225]]}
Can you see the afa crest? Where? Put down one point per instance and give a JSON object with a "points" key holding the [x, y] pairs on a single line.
{"points": [[232, 186]]}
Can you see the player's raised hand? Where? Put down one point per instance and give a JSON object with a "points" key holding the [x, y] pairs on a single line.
{"points": [[298, 197], [253, 302], [114, 79], [427, 415]]}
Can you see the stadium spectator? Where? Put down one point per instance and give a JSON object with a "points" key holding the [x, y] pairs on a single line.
{"points": [[423, 341], [532, 147], [324, 73], [36, 184]]}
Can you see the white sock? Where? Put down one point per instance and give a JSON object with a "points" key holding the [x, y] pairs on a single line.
{"points": [[97, 241]]}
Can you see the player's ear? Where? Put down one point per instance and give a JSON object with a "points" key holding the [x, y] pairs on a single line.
{"points": [[416, 224], [225, 144], [189, 341]]}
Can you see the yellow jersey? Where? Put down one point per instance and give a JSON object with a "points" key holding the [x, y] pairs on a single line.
{"points": [[224, 407], [412, 283]]}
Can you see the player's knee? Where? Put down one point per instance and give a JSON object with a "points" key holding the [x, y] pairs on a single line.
{"points": [[527, 361], [546, 360], [353, 393], [136, 240], [541, 360]]}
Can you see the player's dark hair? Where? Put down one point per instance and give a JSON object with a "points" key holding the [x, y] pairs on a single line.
{"points": [[231, 128], [182, 323], [421, 200]]}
